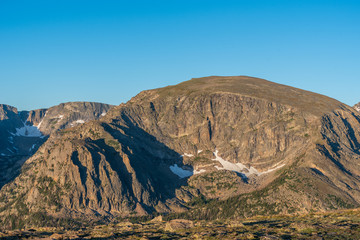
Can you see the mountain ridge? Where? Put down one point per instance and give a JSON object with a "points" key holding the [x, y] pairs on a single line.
{"points": [[166, 149], [254, 87], [22, 132]]}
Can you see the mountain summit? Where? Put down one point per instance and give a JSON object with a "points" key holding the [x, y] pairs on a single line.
{"points": [[208, 148]]}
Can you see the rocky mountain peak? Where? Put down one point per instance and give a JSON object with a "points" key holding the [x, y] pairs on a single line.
{"points": [[7, 112], [215, 147], [22, 133]]}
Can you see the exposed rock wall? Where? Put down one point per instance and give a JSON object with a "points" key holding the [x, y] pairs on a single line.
{"points": [[254, 146]]}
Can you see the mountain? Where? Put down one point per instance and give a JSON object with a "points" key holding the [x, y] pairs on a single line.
{"points": [[357, 107], [22, 132], [208, 148]]}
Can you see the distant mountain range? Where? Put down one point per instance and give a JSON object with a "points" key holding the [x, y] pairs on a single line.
{"points": [[208, 148], [23, 132]]}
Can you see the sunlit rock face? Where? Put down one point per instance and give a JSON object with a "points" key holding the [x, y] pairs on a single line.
{"points": [[255, 146]]}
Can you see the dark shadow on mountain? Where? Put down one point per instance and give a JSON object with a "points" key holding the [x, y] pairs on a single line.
{"points": [[355, 146], [15, 150], [324, 151], [242, 176], [317, 171], [7, 126], [335, 146], [145, 162], [82, 169]]}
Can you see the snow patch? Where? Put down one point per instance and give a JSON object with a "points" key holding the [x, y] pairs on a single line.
{"points": [[28, 131], [182, 173], [9, 150], [272, 169], [199, 171], [60, 116], [357, 108], [80, 121], [187, 155], [38, 126], [32, 147], [199, 151], [103, 114], [241, 168]]}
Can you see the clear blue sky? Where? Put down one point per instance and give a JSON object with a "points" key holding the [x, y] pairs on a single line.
{"points": [[108, 51]]}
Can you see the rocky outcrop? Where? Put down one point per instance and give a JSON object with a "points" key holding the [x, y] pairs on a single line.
{"points": [[214, 147], [178, 224], [7, 112]]}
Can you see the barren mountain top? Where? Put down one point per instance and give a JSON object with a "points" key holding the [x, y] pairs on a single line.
{"points": [[252, 87]]}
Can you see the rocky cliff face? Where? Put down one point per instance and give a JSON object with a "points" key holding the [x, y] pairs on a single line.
{"points": [[66, 115], [246, 145], [21, 133]]}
